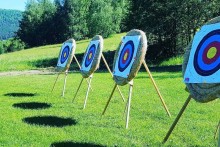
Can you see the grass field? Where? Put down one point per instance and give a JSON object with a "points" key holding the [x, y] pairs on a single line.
{"points": [[33, 116], [27, 59], [61, 122]]}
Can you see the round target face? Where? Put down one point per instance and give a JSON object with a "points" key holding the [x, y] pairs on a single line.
{"points": [[126, 56], [65, 54], [90, 55], [207, 55]]}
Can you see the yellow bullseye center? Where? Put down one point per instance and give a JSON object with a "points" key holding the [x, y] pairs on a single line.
{"points": [[212, 52], [64, 55], [90, 55], [125, 56]]}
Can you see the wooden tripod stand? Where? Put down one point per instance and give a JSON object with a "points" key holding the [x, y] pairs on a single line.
{"points": [[66, 72], [127, 109], [90, 78]]}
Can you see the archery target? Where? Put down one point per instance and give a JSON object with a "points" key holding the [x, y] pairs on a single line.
{"points": [[66, 54], [204, 60], [89, 55], [127, 55]]}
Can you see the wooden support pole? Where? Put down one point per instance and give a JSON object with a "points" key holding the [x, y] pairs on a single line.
{"points": [[77, 61], [109, 99], [158, 92], [80, 68], [217, 129], [177, 119], [55, 82], [129, 104], [106, 64], [87, 93], [78, 89], [64, 85]]}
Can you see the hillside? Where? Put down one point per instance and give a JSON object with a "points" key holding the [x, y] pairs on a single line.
{"points": [[46, 56], [9, 22]]}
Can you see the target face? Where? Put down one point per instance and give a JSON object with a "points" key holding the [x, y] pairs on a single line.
{"points": [[204, 60], [89, 55], [66, 52], [126, 56]]}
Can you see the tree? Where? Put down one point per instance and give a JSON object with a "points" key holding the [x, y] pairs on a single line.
{"points": [[105, 16], [70, 19], [35, 27]]}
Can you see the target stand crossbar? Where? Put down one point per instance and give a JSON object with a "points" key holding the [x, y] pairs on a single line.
{"points": [[106, 64], [65, 79]]}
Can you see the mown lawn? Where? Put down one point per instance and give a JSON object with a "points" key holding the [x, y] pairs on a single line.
{"points": [[62, 122], [27, 59]]}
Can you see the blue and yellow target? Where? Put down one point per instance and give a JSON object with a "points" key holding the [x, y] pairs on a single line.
{"points": [[126, 56], [65, 54], [90, 55]]}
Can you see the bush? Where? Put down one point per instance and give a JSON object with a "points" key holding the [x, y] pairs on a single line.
{"points": [[11, 45]]}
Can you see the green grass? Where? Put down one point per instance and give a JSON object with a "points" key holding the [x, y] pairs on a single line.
{"points": [[148, 120], [26, 59], [172, 61]]}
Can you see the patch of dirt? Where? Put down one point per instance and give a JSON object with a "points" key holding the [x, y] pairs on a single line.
{"points": [[27, 72]]}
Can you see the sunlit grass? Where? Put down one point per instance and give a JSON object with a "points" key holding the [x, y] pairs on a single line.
{"points": [[148, 120]]}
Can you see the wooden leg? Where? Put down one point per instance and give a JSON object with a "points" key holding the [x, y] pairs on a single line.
{"points": [[158, 92], [78, 89], [80, 68], [109, 99], [128, 105], [217, 129], [177, 119], [64, 85], [87, 93], [106, 64], [219, 138], [55, 82], [77, 61]]}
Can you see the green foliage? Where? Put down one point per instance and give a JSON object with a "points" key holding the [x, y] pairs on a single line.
{"points": [[148, 123], [170, 25], [45, 22], [9, 23], [35, 25], [11, 45], [105, 17]]}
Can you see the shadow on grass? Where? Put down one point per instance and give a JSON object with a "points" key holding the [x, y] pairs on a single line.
{"points": [[52, 121], [32, 105], [171, 68], [160, 76], [73, 144], [15, 94]]}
